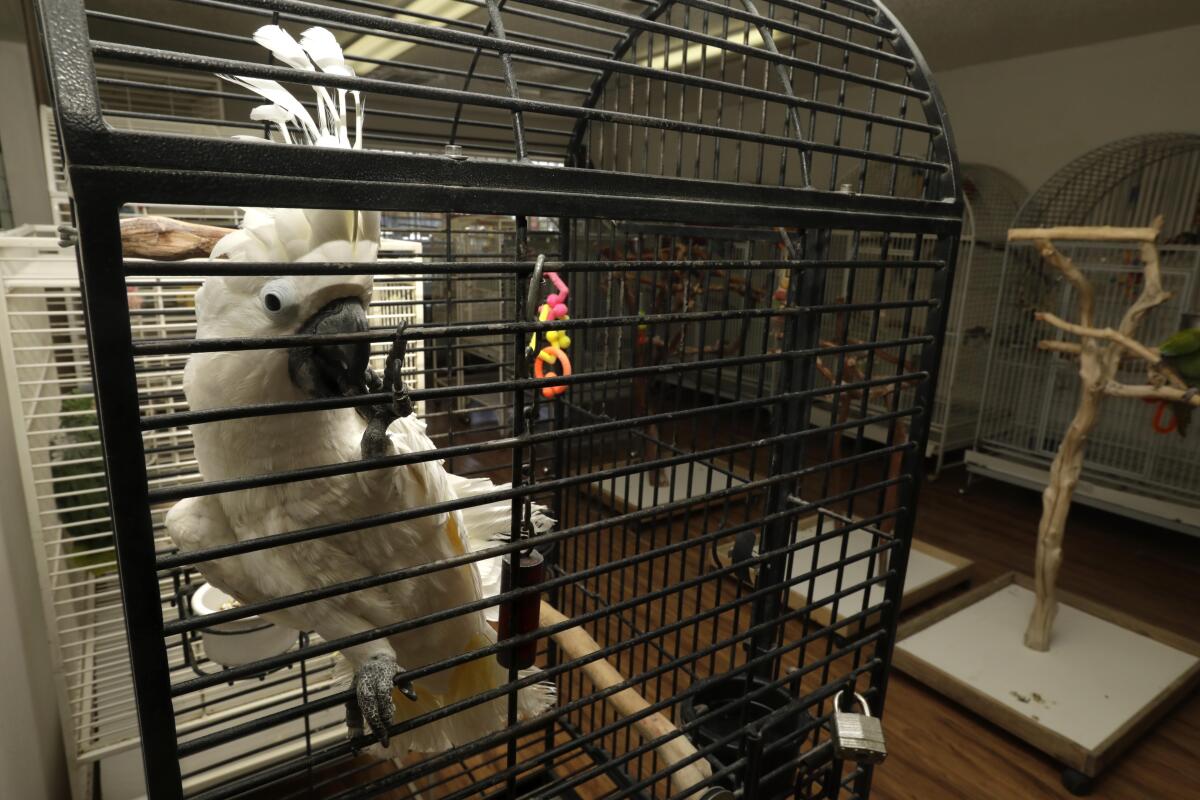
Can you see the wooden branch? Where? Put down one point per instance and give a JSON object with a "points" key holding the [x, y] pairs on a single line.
{"points": [[1171, 394], [1055, 346], [1152, 294], [1099, 233], [577, 644], [1083, 286], [1098, 367], [1108, 334], [166, 239]]}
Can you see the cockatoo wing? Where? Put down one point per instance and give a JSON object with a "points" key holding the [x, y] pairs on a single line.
{"points": [[482, 526], [197, 523]]}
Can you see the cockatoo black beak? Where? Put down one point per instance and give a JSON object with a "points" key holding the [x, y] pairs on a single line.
{"points": [[332, 370]]}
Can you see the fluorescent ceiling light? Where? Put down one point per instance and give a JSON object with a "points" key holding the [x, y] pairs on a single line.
{"points": [[695, 52], [385, 49]]}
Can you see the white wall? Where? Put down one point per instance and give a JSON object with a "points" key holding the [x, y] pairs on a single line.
{"points": [[32, 765], [20, 130], [1033, 115]]}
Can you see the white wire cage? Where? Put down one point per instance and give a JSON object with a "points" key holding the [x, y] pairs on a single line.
{"points": [[48, 377], [993, 198], [1030, 395]]}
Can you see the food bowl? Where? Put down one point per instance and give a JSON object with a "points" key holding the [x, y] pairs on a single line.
{"points": [[241, 641], [727, 697]]}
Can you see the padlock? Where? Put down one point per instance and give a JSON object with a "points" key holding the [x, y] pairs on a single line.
{"points": [[857, 737]]}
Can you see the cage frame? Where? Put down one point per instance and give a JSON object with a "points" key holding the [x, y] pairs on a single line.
{"points": [[109, 167]]}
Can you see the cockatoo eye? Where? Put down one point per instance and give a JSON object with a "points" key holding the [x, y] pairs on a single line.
{"points": [[278, 297]]}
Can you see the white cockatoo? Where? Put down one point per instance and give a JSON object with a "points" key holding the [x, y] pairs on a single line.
{"points": [[244, 306]]}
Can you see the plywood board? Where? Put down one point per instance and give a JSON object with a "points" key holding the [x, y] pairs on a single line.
{"points": [[1100, 684], [931, 570], [635, 492]]}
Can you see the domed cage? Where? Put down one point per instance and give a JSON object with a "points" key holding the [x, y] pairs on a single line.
{"points": [[1030, 395], [680, 166]]}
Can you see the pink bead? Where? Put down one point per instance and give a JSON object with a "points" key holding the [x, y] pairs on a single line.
{"points": [[553, 300], [560, 310]]}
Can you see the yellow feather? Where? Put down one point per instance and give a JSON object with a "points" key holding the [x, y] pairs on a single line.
{"points": [[473, 677], [456, 543]]}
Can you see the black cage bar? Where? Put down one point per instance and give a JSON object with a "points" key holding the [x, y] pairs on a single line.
{"points": [[697, 170]]}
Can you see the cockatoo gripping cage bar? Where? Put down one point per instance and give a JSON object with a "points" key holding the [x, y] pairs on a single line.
{"points": [[718, 569]]}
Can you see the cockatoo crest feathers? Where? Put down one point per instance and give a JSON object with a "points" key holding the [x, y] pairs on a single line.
{"points": [[325, 52], [317, 48], [276, 94], [284, 46]]}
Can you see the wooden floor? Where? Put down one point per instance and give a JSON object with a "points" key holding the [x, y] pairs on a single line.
{"points": [[939, 750]]}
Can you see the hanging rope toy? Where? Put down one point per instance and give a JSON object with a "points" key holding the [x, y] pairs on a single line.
{"points": [[554, 309]]}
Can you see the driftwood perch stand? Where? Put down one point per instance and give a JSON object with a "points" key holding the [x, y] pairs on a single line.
{"points": [[1100, 352], [1135, 672]]}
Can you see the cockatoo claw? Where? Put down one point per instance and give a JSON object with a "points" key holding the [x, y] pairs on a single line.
{"points": [[373, 687], [406, 688], [373, 381], [375, 442]]}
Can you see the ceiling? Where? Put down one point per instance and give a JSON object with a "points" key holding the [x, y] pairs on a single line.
{"points": [[957, 33], [951, 33]]}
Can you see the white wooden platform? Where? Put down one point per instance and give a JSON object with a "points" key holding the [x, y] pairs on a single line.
{"points": [[629, 493], [931, 571], [1105, 679]]}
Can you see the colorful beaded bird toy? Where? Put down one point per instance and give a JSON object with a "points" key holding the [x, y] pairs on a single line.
{"points": [[554, 353]]}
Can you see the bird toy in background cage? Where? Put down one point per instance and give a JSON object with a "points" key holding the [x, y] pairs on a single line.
{"points": [[557, 341]]}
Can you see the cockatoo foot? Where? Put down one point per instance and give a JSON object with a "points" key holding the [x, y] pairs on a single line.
{"points": [[373, 684], [375, 442], [1190, 393]]}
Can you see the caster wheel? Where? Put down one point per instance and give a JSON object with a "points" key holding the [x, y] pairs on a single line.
{"points": [[1076, 782]]}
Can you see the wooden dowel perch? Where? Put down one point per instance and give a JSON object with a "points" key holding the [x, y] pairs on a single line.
{"points": [[1053, 345], [1100, 352], [577, 644], [166, 239], [1103, 233]]}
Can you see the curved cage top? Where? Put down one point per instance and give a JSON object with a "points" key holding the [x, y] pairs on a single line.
{"points": [[992, 197], [829, 97], [1126, 182]]}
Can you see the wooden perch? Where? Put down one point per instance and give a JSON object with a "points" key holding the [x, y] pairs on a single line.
{"points": [[1170, 394], [577, 644], [1116, 337], [166, 239], [1103, 233], [1053, 345], [1100, 351]]}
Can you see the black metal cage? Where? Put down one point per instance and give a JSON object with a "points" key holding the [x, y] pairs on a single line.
{"points": [[685, 164]]}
